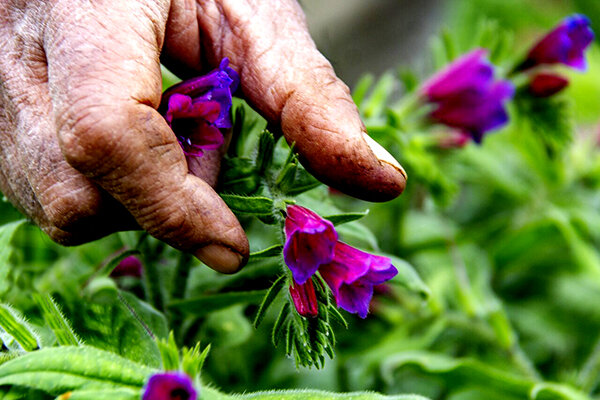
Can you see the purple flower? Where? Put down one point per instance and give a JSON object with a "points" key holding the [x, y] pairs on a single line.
{"points": [[197, 108], [309, 242], [467, 97], [312, 244], [565, 44], [169, 386], [352, 274], [546, 85], [129, 266], [305, 299]]}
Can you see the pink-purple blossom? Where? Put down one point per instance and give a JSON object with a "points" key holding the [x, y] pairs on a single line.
{"points": [[170, 386], [312, 245], [309, 242], [352, 274], [129, 266], [465, 95], [305, 298], [198, 108], [565, 44]]}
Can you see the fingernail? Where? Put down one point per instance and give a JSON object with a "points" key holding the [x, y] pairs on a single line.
{"points": [[220, 258], [383, 155]]}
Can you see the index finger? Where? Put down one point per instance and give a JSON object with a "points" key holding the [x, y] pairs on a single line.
{"points": [[292, 85]]}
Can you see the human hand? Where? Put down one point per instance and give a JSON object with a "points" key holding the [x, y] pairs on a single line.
{"points": [[85, 153]]}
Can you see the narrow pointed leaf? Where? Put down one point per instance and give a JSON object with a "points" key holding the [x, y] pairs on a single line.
{"points": [[272, 251], [15, 326], [203, 305], [339, 219], [268, 300], [55, 319]]}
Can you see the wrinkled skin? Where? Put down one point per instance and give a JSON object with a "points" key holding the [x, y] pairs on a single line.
{"points": [[84, 152]]}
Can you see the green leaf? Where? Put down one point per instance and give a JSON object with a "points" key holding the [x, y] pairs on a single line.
{"points": [[408, 277], [247, 205], [304, 394], [55, 319], [303, 182], [15, 327], [339, 219], [268, 300], [7, 232], [286, 179], [192, 360], [272, 251], [467, 372], [57, 370], [205, 304], [122, 324], [169, 353], [279, 332], [102, 394]]}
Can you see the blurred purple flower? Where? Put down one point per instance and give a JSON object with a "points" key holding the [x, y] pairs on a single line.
{"points": [[197, 108], [170, 386], [352, 274], [546, 85], [565, 44], [309, 242], [305, 299], [129, 266], [467, 97]]}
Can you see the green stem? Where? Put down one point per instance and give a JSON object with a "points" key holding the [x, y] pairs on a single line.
{"points": [[152, 281]]}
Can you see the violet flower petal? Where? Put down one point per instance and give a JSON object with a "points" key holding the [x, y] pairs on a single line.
{"points": [[352, 274], [565, 44], [170, 386], [309, 242]]}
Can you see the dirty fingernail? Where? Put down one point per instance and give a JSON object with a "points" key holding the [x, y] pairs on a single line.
{"points": [[383, 155], [221, 258]]}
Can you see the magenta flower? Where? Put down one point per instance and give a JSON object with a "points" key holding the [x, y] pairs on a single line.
{"points": [[466, 96], [197, 108], [352, 274], [129, 266], [311, 245], [546, 85], [169, 386], [309, 242], [565, 44], [305, 299]]}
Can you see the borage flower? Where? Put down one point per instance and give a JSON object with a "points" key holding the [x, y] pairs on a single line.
{"points": [[170, 386], [466, 96], [565, 44], [311, 244], [197, 108]]}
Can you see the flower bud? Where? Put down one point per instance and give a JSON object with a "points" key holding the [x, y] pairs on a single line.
{"points": [[305, 299], [546, 85]]}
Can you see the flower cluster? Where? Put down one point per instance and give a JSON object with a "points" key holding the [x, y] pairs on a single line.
{"points": [[468, 97], [312, 245], [197, 108], [170, 386], [566, 45]]}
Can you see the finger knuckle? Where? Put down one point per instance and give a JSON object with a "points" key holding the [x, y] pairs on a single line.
{"points": [[89, 134]]}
